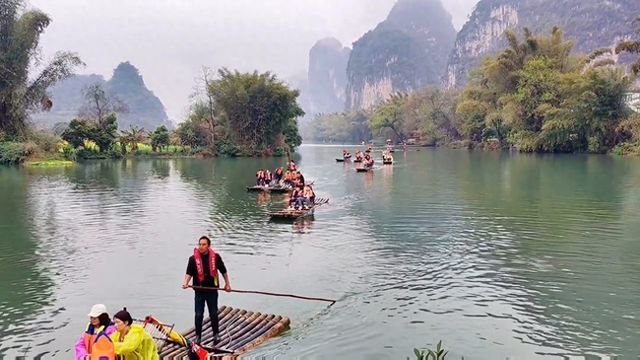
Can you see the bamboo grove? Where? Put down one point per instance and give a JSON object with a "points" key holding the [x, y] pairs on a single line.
{"points": [[20, 33], [535, 96]]}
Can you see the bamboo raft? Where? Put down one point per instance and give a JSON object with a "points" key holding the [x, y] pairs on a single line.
{"points": [[387, 162], [364, 169], [294, 214], [343, 160], [274, 188], [357, 160], [240, 331]]}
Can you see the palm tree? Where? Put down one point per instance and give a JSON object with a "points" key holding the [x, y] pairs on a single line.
{"points": [[19, 38], [631, 47], [133, 136]]}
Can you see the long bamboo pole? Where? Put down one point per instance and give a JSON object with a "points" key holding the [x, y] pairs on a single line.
{"points": [[267, 293]]}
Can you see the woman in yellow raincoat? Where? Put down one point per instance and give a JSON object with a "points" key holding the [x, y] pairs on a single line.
{"points": [[130, 341]]}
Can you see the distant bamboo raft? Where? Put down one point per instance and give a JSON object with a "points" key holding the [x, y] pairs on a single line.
{"points": [[294, 213], [240, 331]]}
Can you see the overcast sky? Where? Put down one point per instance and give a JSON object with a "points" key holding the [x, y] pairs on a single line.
{"points": [[170, 40]]}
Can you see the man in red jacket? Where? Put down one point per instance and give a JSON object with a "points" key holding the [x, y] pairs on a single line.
{"points": [[203, 267]]}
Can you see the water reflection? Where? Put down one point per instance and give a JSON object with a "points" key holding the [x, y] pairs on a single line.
{"points": [[561, 228], [161, 168], [525, 250], [25, 274], [304, 225], [264, 198]]}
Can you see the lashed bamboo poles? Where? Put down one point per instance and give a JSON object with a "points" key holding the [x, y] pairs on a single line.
{"points": [[224, 314], [275, 330], [240, 330]]}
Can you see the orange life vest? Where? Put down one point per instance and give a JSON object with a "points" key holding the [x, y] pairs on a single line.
{"points": [[259, 174], [103, 348], [90, 338]]}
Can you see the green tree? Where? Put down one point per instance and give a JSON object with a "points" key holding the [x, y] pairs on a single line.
{"points": [[106, 132], [133, 136], [257, 108], [159, 137], [540, 97], [21, 93], [77, 132], [390, 115]]}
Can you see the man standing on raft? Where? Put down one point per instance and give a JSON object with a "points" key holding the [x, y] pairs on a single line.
{"points": [[203, 267]]}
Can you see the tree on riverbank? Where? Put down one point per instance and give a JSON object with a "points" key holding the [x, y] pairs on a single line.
{"points": [[534, 95], [255, 113], [21, 31], [538, 97]]}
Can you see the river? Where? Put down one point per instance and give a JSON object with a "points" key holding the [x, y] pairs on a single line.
{"points": [[498, 255]]}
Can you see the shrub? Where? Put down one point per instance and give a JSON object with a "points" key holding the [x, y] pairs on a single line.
{"points": [[13, 153], [46, 141]]}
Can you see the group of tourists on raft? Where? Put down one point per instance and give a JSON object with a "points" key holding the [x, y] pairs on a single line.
{"points": [[359, 155], [119, 338], [302, 197], [292, 177], [365, 158]]}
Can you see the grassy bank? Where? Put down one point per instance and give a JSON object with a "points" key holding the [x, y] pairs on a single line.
{"points": [[55, 152], [49, 163]]}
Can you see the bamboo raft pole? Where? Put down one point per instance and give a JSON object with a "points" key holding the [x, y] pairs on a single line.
{"points": [[266, 293]]}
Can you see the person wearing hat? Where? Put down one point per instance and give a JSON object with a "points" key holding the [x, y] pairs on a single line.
{"points": [[130, 341], [203, 267], [99, 321]]}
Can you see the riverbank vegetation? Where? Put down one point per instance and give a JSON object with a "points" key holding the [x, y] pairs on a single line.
{"points": [[235, 114], [242, 114], [533, 96]]}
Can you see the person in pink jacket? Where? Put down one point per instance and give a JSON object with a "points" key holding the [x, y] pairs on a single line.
{"points": [[99, 321]]}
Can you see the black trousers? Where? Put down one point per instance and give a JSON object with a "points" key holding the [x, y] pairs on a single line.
{"points": [[210, 298]]}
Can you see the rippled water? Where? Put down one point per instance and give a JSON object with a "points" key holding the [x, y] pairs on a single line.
{"points": [[500, 256]]}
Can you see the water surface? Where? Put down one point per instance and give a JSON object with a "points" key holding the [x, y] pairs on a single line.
{"points": [[500, 256]]}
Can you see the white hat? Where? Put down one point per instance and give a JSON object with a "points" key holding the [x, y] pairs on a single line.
{"points": [[97, 310]]}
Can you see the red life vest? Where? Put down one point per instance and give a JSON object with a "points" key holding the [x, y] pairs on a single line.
{"points": [[213, 271]]}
